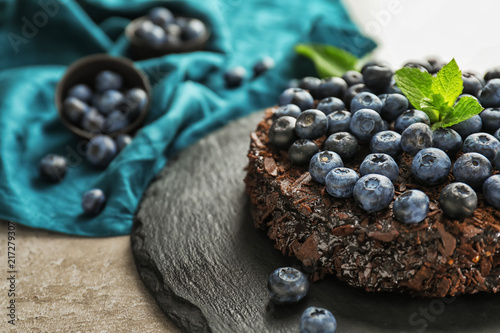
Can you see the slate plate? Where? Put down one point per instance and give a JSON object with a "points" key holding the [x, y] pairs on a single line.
{"points": [[198, 254]]}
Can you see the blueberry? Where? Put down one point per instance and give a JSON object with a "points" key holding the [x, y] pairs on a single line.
{"points": [[161, 16], [458, 200], [93, 121], [366, 100], [311, 124], [490, 95], [472, 85], [496, 162], [108, 101], [385, 125], [469, 126], [107, 80], [297, 96], [472, 169], [122, 141], [287, 285], [311, 84], [93, 202], [482, 143], [388, 142], [235, 76], [291, 110], [447, 140], [373, 63], [393, 105], [381, 164], [301, 151], [490, 119], [339, 121], [75, 109], [173, 30], [365, 123], [343, 143], [263, 65], [373, 192], [340, 182], [151, 33], [134, 102], [194, 29], [493, 73], [115, 121], [80, 91], [353, 91], [431, 166], [378, 78], [181, 21], [53, 168], [101, 150], [436, 65], [497, 134], [332, 87], [423, 65], [282, 132], [411, 207], [331, 104], [352, 78], [322, 163], [317, 320], [491, 191], [410, 117], [393, 88]]}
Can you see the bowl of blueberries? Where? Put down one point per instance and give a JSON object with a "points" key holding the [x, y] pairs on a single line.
{"points": [[101, 94], [160, 32]]}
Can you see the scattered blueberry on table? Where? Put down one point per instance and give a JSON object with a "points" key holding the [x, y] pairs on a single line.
{"points": [[263, 65], [53, 168], [317, 320], [235, 76], [93, 202], [287, 285], [101, 150]]}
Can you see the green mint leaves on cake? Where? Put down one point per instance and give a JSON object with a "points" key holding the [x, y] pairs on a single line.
{"points": [[328, 60], [436, 96]]}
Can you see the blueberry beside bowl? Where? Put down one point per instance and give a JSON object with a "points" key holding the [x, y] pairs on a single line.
{"points": [[103, 74]]}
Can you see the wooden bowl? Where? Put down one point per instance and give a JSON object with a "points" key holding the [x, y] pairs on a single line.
{"points": [[85, 71]]}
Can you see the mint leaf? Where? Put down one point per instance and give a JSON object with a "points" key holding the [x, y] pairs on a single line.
{"points": [[416, 85], [328, 60], [448, 82], [465, 108]]}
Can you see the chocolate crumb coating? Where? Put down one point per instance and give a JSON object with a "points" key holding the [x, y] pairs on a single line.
{"points": [[435, 258]]}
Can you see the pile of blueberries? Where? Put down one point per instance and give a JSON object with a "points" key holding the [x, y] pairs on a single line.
{"points": [[108, 107], [105, 109], [289, 285], [367, 108], [161, 28]]}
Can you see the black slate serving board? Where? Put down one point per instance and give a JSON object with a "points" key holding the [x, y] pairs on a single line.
{"points": [[198, 254]]}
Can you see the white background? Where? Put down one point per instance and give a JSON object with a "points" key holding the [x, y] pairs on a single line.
{"points": [[468, 31]]}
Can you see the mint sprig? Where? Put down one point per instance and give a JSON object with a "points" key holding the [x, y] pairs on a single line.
{"points": [[436, 96], [328, 60]]}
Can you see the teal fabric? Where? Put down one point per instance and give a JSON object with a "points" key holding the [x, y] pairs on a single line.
{"points": [[40, 38]]}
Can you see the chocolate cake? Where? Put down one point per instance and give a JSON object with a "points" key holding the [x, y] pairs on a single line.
{"points": [[437, 257]]}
